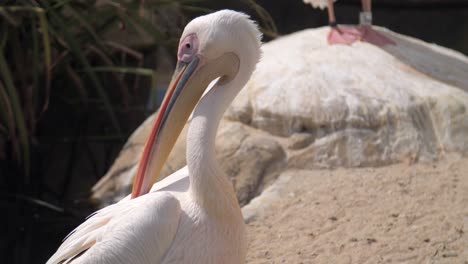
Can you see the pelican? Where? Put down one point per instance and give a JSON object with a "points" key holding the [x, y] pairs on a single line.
{"points": [[191, 216], [349, 35]]}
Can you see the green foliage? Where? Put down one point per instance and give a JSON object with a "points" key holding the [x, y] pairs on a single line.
{"points": [[42, 41]]}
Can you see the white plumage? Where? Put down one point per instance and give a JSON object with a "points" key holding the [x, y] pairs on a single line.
{"points": [[193, 215]]}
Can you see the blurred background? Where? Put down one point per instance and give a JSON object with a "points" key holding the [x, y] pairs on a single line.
{"points": [[77, 78]]}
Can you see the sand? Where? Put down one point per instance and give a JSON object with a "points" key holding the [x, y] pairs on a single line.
{"points": [[396, 214]]}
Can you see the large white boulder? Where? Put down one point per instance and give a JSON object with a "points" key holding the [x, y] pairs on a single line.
{"points": [[361, 105]]}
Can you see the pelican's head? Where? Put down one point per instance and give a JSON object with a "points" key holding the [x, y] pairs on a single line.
{"points": [[220, 44]]}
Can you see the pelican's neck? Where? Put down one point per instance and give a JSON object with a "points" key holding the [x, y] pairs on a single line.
{"points": [[209, 185]]}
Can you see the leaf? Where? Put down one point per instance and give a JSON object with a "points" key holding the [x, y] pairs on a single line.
{"points": [[6, 112], [132, 70], [77, 81], [45, 39], [197, 9], [134, 53], [89, 29], [141, 71], [144, 25], [18, 114], [35, 201], [35, 62], [76, 50], [5, 35], [119, 80], [47, 56], [269, 26]]}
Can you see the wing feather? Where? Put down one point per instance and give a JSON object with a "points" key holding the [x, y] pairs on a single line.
{"points": [[140, 230]]}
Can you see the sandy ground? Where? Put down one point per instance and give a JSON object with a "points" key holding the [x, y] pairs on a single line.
{"points": [[396, 214]]}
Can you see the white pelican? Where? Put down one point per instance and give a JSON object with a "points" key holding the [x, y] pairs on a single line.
{"points": [[193, 215], [349, 35]]}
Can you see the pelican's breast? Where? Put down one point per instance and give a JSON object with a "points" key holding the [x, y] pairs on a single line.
{"points": [[202, 238]]}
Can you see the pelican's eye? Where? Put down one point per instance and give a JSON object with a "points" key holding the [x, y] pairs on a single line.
{"points": [[188, 47]]}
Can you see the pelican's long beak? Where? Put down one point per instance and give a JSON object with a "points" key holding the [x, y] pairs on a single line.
{"points": [[187, 86], [170, 121]]}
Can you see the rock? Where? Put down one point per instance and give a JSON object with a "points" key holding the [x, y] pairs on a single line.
{"points": [[252, 160], [361, 105], [299, 140], [267, 198], [312, 105]]}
